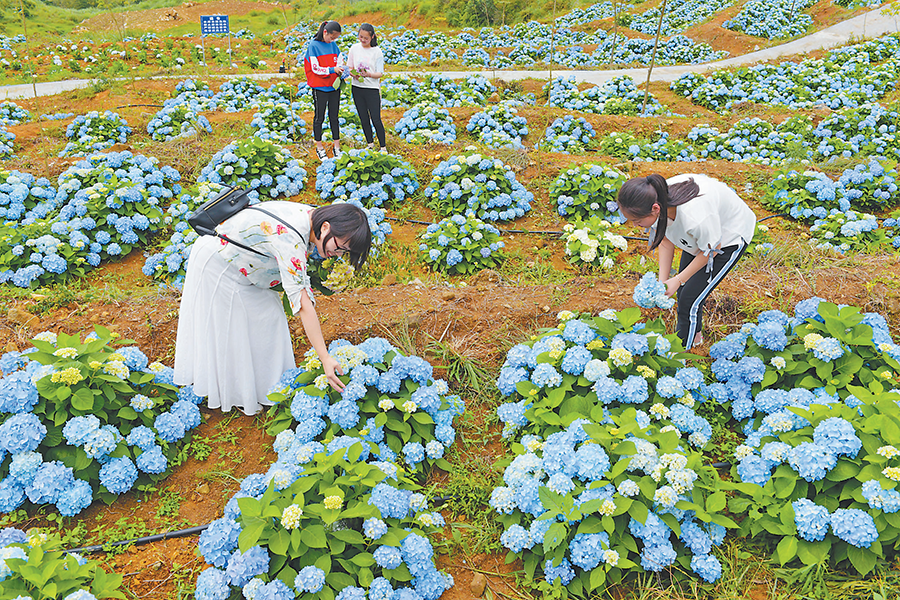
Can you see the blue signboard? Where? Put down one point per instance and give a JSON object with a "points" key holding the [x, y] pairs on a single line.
{"points": [[210, 24]]}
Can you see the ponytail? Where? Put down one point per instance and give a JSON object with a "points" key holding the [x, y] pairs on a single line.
{"points": [[637, 197]]}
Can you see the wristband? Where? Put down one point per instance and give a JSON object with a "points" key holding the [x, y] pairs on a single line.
{"points": [[680, 280]]}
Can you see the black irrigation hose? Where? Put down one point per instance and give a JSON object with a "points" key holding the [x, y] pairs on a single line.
{"points": [[136, 105], [142, 540]]}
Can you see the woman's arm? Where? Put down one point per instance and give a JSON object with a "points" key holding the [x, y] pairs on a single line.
{"points": [[313, 329], [666, 250], [694, 267]]}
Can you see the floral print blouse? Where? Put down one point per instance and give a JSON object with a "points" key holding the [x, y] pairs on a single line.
{"points": [[285, 254]]}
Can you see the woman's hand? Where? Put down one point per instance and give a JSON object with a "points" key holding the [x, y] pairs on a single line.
{"points": [[332, 369], [672, 285], [339, 70]]}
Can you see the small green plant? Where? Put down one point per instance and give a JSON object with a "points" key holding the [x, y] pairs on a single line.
{"points": [[39, 568], [461, 245]]}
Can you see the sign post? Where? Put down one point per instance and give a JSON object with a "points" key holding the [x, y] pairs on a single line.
{"points": [[211, 24]]}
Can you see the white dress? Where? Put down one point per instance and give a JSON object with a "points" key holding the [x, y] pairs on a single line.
{"points": [[233, 340]]}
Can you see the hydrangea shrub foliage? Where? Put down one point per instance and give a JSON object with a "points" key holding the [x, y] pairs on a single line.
{"points": [[85, 419]]}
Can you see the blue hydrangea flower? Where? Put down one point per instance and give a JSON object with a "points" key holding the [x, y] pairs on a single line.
{"points": [[812, 520], [854, 526], [310, 579]]}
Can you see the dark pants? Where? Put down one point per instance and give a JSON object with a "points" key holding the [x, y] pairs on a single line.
{"points": [[368, 106], [329, 101], [693, 294]]}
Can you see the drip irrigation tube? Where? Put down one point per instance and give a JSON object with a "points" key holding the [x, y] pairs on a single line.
{"points": [[142, 540], [137, 105]]}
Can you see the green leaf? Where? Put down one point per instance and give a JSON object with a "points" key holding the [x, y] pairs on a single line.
{"points": [[716, 502], [813, 553], [314, 536], [598, 578], [863, 560], [280, 542], [787, 549], [554, 536]]}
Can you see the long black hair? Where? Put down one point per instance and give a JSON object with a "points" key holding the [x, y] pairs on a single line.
{"points": [[330, 27], [348, 222], [637, 197], [371, 31]]}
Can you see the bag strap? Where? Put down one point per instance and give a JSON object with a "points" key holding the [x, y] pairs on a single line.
{"points": [[274, 216]]}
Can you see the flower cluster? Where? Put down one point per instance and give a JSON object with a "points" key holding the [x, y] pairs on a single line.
{"points": [[426, 123], [370, 177], [109, 203], [592, 243], [261, 166], [461, 245], [595, 473], [279, 121], [102, 413], [845, 77], [849, 231], [13, 114], [772, 20], [177, 119], [651, 293], [95, 132], [587, 190], [473, 184], [569, 135], [500, 126], [816, 446]]}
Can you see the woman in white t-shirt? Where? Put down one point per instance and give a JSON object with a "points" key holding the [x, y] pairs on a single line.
{"points": [[705, 219], [366, 64]]}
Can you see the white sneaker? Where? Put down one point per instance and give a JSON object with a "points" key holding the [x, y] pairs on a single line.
{"points": [[337, 154], [383, 150]]}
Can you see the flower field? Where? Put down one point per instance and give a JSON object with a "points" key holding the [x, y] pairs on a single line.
{"points": [[519, 419]]}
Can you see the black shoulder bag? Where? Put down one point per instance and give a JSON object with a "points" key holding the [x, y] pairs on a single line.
{"points": [[224, 206]]}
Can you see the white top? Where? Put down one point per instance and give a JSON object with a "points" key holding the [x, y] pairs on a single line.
{"points": [[717, 217], [371, 59], [285, 254]]}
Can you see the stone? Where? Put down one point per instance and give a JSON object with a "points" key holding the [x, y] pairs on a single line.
{"points": [[478, 584], [389, 279], [203, 488], [20, 316], [448, 295]]}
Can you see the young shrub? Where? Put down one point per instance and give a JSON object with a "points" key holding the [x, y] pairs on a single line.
{"points": [[368, 176], [591, 243], [472, 184], [461, 245], [587, 190]]}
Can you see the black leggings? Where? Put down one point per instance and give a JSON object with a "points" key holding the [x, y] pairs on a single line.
{"points": [[368, 106], [323, 100], [693, 294]]}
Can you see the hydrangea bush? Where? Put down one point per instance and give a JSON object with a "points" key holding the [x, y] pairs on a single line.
{"points": [[816, 471], [587, 190], [13, 114], [176, 120], [848, 231], [35, 563], [323, 523], [261, 166], [461, 245], [606, 455], [569, 135], [499, 126], [390, 400], [592, 243], [110, 203], [426, 124], [279, 122], [85, 419], [94, 132], [473, 184], [368, 176]]}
